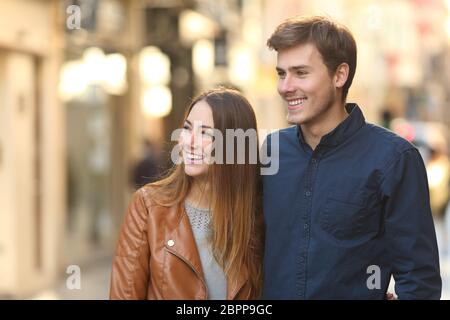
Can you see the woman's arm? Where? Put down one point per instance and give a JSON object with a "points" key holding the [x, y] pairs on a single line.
{"points": [[130, 270]]}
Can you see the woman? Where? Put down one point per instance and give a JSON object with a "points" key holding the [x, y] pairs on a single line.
{"points": [[197, 234]]}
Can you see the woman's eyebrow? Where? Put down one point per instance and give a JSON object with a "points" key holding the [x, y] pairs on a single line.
{"points": [[203, 126]]}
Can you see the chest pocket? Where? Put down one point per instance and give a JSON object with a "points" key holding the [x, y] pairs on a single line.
{"points": [[348, 214]]}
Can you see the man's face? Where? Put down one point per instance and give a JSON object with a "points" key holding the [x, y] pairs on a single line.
{"points": [[305, 84]]}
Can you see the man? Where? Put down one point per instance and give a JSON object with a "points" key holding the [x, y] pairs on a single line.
{"points": [[349, 206]]}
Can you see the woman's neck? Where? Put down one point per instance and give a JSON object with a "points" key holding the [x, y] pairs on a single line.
{"points": [[199, 195]]}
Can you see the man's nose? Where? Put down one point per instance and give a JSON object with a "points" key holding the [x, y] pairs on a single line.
{"points": [[286, 85]]}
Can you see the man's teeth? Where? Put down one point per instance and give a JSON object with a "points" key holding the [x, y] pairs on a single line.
{"points": [[296, 102]]}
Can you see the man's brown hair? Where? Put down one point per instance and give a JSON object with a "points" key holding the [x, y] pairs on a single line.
{"points": [[334, 42]]}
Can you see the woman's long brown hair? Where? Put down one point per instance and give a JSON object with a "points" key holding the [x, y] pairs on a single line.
{"points": [[237, 238]]}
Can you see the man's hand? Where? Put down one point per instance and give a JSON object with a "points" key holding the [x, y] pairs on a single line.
{"points": [[390, 296]]}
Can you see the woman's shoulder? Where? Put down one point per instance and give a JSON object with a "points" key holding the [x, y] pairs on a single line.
{"points": [[147, 195], [153, 198]]}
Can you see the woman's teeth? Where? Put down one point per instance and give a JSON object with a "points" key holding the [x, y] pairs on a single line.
{"points": [[192, 156]]}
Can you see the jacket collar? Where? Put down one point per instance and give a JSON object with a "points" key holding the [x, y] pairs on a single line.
{"points": [[180, 240]]}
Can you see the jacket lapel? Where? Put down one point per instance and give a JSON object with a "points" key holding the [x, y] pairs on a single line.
{"points": [[234, 286], [180, 240]]}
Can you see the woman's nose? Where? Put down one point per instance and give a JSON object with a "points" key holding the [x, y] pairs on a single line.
{"points": [[194, 139]]}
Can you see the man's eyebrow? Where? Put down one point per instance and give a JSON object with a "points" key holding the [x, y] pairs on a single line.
{"points": [[203, 126], [300, 67], [295, 68]]}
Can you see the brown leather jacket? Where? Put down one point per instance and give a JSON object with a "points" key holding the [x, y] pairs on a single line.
{"points": [[157, 258]]}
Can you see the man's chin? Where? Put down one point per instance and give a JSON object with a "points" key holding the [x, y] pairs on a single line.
{"points": [[295, 119]]}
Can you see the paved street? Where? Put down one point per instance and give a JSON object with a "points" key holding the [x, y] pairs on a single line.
{"points": [[94, 285]]}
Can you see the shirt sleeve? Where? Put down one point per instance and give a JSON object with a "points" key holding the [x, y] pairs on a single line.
{"points": [[412, 247], [130, 269]]}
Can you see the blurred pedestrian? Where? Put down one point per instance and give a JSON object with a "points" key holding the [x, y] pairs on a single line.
{"points": [[349, 206], [147, 170], [386, 118], [197, 233]]}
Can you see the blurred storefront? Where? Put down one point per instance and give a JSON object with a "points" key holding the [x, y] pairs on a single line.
{"points": [[70, 123], [32, 189], [95, 90]]}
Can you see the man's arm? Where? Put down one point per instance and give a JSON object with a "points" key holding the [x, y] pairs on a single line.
{"points": [[409, 227]]}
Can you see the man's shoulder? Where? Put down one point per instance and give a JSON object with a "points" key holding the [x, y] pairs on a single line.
{"points": [[387, 139]]}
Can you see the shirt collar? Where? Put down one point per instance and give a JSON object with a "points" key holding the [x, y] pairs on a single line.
{"points": [[344, 130]]}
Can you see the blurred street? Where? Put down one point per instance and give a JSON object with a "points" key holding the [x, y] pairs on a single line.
{"points": [[94, 285], [443, 232], [445, 273]]}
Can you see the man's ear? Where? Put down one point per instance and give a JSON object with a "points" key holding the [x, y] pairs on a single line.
{"points": [[341, 75]]}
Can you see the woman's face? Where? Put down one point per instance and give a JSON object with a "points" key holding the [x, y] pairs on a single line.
{"points": [[196, 139]]}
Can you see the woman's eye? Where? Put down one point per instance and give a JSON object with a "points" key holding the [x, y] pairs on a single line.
{"points": [[186, 127], [207, 133]]}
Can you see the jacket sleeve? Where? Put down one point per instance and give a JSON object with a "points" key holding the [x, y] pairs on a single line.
{"points": [[130, 269], [412, 248]]}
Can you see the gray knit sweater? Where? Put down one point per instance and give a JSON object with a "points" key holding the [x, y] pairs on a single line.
{"points": [[216, 281]]}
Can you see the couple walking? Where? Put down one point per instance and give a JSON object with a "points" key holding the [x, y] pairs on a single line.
{"points": [[347, 207]]}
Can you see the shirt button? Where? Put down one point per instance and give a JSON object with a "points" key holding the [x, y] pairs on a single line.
{"points": [[171, 243], [314, 160], [306, 226], [308, 193]]}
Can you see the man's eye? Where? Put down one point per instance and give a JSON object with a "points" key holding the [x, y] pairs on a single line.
{"points": [[281, 75], [301, 73]]}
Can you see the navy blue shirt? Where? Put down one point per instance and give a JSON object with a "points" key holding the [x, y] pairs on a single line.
{"points": [[341, 219]]}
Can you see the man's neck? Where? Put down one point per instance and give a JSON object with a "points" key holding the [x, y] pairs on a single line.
{"points": [[314, 131]]}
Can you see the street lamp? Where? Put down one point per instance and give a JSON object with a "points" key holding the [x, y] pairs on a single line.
{"points": [[154, 69]]}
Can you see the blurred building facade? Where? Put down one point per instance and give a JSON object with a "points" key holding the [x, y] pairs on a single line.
{"points": [[76, 101], [32, 189]]}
